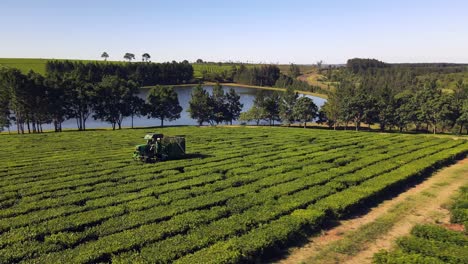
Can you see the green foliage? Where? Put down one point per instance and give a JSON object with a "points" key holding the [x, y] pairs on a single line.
{"points": [[200, 105], [163, 103], [112, 100], [266, 75], [76, 197], [305, 110], [459, 210], [294, 71]]}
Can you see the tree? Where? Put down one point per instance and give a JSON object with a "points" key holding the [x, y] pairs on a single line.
{"points": [[385, 107], [136, 107], [111, 102], [253, 114], [463, 118], [271, 107], [219, 104], [58, 101], [5, 114], [405, 109], [200, 105], [234, 106], [294, 71], [15, 86], [199, 61], [305, 110], [81, 95], [163, 103], [129, 56], [288, 100], [319, 64], [332, 109], [104, 55], [145, 57]]}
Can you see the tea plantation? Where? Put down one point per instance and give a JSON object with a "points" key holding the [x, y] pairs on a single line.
{"points": [[78, 197]]}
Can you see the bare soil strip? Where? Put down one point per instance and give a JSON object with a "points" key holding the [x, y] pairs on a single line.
{"points": [[356, 240]]}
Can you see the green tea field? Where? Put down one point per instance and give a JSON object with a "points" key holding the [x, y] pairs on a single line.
{"points": [[78, 197]]}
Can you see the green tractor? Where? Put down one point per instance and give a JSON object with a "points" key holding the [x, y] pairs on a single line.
{"points": [[160, 148]]}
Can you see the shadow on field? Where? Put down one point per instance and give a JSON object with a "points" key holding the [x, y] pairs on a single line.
{"points": [[196, 156]]}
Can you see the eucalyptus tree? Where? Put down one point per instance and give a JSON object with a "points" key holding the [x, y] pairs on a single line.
{"points": [[105, 56], [255, 113], [200, 105], [305, 110], [288, 100], [271, 107], [218, 100], [129, 56], [112, 100], [234, 106], [332, 110], [14, 96], [80, 95], [163, 103], [145, 57]]}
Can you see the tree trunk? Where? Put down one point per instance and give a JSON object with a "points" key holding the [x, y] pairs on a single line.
{"points": [[29, 128], [461, 129], [162, 122], [132, 120], [305, 124]]}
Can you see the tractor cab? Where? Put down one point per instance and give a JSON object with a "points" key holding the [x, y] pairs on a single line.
{"points": [[160, 148], [153, 137]]}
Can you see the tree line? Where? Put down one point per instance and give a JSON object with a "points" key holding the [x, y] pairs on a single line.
{"points": [[396, 97], [32, 100], [286, 107], [143, 73], [219, 107]]}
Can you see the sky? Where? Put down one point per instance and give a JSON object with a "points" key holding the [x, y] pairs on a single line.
{"points": [[292, 31]]}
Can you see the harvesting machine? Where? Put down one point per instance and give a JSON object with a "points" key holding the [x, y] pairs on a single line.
{"points": [[160, 148]]}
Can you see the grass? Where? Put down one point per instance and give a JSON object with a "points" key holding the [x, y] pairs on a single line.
{"points": [[25, 65], [78, 197]]}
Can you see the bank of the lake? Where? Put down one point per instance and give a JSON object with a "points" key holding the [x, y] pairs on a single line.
{"points": [[320, 95]]}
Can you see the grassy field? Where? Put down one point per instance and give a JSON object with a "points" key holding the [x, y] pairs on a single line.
{"points": [[78, 197], [25, 65]]}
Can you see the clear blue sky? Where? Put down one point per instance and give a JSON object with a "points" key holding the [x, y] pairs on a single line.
{"points": [[283, 31]]}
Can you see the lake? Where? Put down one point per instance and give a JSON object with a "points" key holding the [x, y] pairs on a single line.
{"points": [[247, 96]]}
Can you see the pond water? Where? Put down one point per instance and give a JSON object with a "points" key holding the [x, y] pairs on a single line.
{"points": [[247, 96]]}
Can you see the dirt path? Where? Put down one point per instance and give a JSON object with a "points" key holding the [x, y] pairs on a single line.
{"points": [[424, 203]]}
